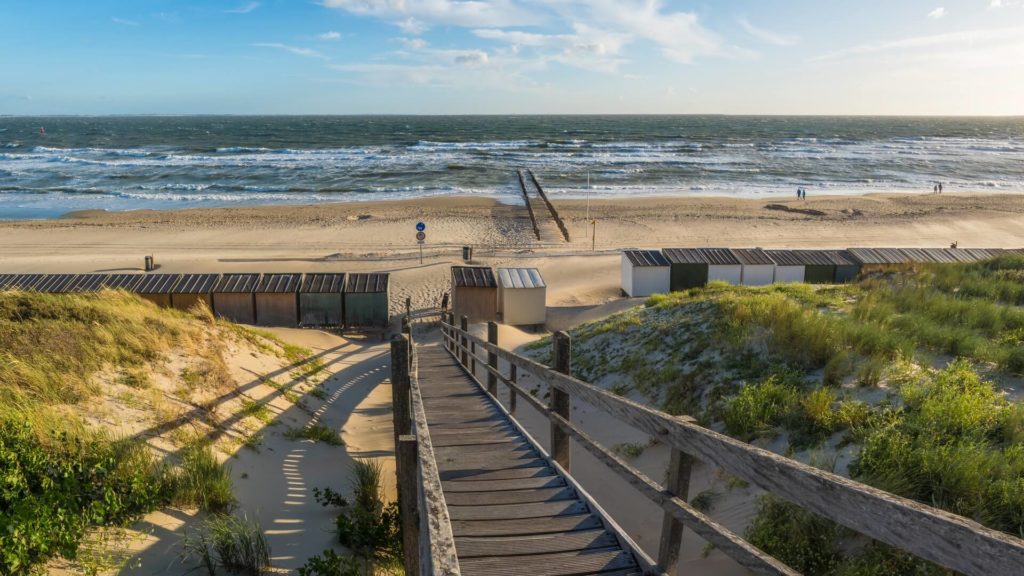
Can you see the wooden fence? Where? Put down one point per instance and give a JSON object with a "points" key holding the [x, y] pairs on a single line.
{"points": [[426, 528], [935, 535]]}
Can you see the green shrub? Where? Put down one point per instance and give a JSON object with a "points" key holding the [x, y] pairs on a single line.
{"points": [[367, 526], [202, 481], [234, 543], [315, 432], [331, 564], [805, 542], [758, 408]]}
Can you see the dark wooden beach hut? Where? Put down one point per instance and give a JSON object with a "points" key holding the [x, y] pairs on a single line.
{"points": [[474, 293], [876, 259], [126, 282], [366, 300], [693, 267], [233, 297], [193, 289], [157, 288], [826, 266], [277, 300], [322, 300]]}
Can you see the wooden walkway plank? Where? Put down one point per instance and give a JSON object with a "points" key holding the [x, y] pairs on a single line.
{"points": [[511, 512]]}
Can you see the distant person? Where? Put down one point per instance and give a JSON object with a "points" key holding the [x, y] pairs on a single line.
{"points": [[799, 193], [935, 189], [940, 187], [805, 193], [444, 302]]}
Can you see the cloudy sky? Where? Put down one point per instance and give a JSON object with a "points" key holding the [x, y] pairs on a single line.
{"points": [[512, 56]]}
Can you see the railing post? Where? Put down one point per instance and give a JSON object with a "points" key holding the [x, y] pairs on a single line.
{"points": [[677, 484], [472, 358], [400, 387], [408, 502], [512, 376], [492, 359], [464, 324], [559, 402]]}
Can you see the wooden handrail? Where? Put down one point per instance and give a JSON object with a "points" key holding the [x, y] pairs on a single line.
{"points": [[935, 535]]}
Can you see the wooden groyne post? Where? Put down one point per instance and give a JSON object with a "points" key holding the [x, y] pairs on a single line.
{"points": [[551, 207], [529, 207]]}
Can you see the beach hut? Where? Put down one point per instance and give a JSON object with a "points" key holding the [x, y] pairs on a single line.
{"points": [[366, 300], [233, 297], [757, 268], [55, 283], [277, 300], [322, 300], [825, 266], [876, 259], [698, 266], [474, 293], [645, 272], [157, 288], [788, 266], [522, 297], [87, 283], [193, 289]]}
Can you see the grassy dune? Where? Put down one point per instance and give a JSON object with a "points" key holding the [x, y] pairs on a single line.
{"points": [[911, 368], [62, 475]]}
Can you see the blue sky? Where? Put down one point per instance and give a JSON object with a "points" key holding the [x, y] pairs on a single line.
{"points": [[511, 56]]}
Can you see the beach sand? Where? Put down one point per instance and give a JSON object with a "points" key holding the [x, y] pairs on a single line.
{"points": [[583, 284]]}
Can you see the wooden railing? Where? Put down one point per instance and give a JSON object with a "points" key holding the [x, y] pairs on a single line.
{"points": [[427, 538], [935, 535]]}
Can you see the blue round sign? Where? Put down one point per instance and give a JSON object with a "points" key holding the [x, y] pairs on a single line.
{"points": [[420, 226]]}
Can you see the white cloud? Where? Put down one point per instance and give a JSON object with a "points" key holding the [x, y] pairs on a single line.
{"points": [[332, 35], [244, 9], [124, 21], [297, 50], [413, 15], [937, 13], [414, 43], [1005, 3], [767, 35], [973, 39]]}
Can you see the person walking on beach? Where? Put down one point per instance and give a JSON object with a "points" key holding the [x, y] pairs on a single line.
{"points": [[935, 189], [940, 187], [444, 302]]}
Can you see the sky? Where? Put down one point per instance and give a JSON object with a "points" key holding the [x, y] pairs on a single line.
{"points": [[941, 57]]}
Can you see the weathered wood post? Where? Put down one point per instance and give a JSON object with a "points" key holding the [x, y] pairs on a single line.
{"points": [[678, 483], [513, 373], [464, 324], [472, 358], [400, 387], [492, 359], [408, 502], [408, 307], [559, 402]]}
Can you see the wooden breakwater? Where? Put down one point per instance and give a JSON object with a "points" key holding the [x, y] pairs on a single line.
{"points": [[529, 205], [551, 207], [935, 535]]}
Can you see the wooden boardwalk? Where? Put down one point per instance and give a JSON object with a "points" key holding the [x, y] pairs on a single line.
{"points": [[511, 511]]}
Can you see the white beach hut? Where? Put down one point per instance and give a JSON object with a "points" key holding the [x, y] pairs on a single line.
{"points": [[758, 268], [522, 297], [645, 272], [789, 267]]}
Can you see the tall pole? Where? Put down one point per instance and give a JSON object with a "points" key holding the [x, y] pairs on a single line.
{"points": [[588, 195], [593, 236]]}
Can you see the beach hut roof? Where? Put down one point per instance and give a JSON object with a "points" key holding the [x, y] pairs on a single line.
{"points": [[196, 284], [977, 253], [877, 255], [520, 278], [712, 256], [123, 281], [784, 257], [156, 284], [236, 283], [25, 281], [752, 256], [945, 255], [279, 283], [646, 258], [6, 280], [88, 283], [473, 277], [322, 284], [822, 258], [366, 283], [917, 255], [55, 283]]}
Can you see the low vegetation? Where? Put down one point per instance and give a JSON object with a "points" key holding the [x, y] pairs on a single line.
{"points": [[232, 543], [316, 433], [62, 358], [904, 367]]}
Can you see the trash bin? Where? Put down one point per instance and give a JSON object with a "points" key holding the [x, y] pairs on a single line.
{"points": [[149, 264], [467, 253]]}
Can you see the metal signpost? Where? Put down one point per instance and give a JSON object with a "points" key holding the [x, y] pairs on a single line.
{"points": [[421, 237]]}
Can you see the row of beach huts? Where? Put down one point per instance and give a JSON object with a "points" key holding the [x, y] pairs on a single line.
{"points": [[290, 299], [646, 272]]}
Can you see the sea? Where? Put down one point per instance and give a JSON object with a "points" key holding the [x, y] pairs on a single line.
{"points": [[50, 166]]}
